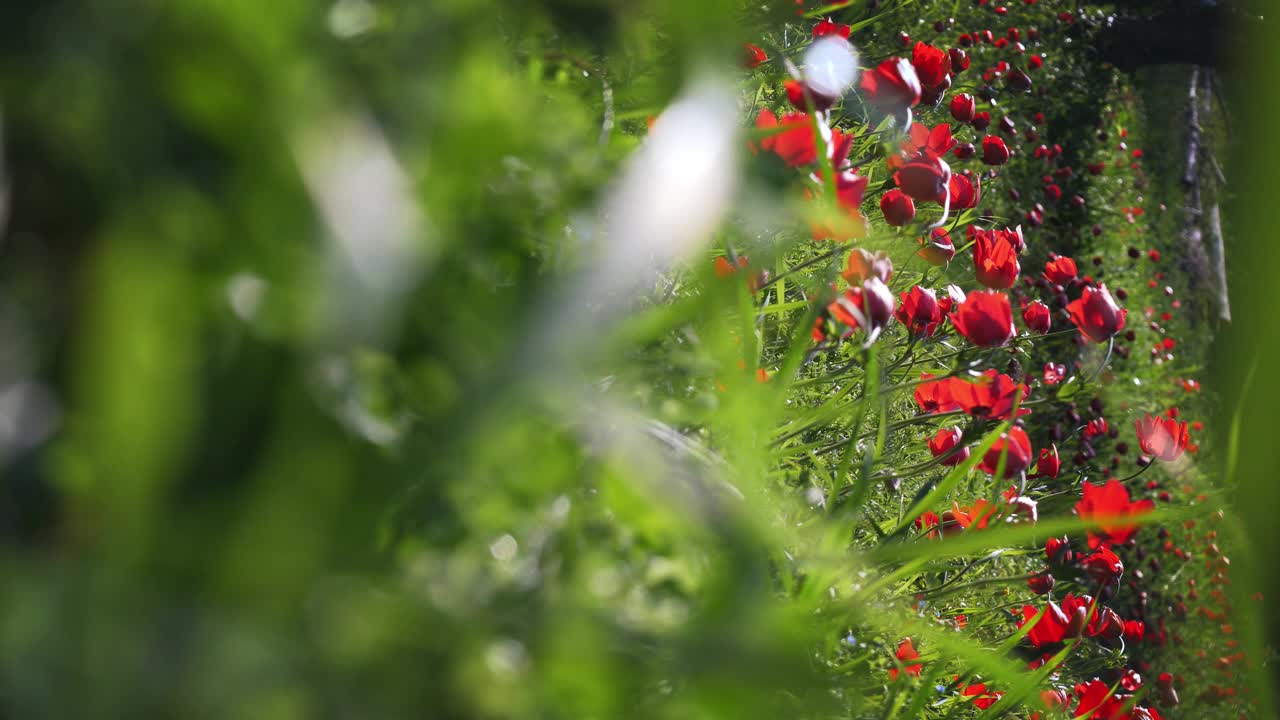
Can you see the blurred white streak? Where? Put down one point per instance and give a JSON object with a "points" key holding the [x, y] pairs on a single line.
{"points": [[245, 292], [352, 18], [830, 66], [675, 189], [380, 242], [29, 414]]}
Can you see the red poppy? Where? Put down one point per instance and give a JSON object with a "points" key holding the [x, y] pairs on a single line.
{"points": [[1018, 81], [869, 306], [1016, 448], [1096, 314], [934, 396], [1042, 583], [1096, 427], [959, 60], [981, 121], [924, 179], [933, 69], [982, 699], [1109, 506], [992, 395], [1134, 631], [1036, 317], [794, 144], [995, 257], [795, 95], [892, 86], [1097, 702], [963, 107], [862, 265], [928, 523], [752, 56], [827, 27], [985, 318], [850, 188], [1060, 270], [977, 516], [1054, 374], [918, 310], [937, 250], [994, 151], [921, 141], [1049, 629], [963, 191], [905, 654], [1049, 464], [897, 207], [1103, 566], [944, 441], [1162, 437]]}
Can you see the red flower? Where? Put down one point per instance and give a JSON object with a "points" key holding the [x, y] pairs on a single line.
{"points": [[934, 395], [1103, 566], [1060, 270], [827, 27], [959, 60], [918, 311], [892, 86], [752, 56], [921, 142], [1018, 81], [985, 318], [1097, 702], [1049, 464], [868, 307], [994, 151], [995, 258], [1036, 317], [795, 95], [862, 265], [1108, 505], [982, 699], [963, 107], [928, 522], [933, 69], [943, 442], [1050, 629], [1134, 631], [964, 191], [1054, 374], [937, 250], [1096, 427], [906, 653], [976, 516], [924, 179], [1042, 583], [897, 207], [850, 189], [1162, 437], [1096, 314], [1016, 448], [993, 396], [794, 144]]}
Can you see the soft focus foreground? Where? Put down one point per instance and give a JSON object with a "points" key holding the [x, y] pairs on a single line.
{"points": [[676, 360]]}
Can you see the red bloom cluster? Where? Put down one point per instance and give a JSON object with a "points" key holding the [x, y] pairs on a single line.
{"points": [[991, 395], [1109, 506]]}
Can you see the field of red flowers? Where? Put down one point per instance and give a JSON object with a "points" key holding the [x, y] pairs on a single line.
{"points": [[997, 393]]}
